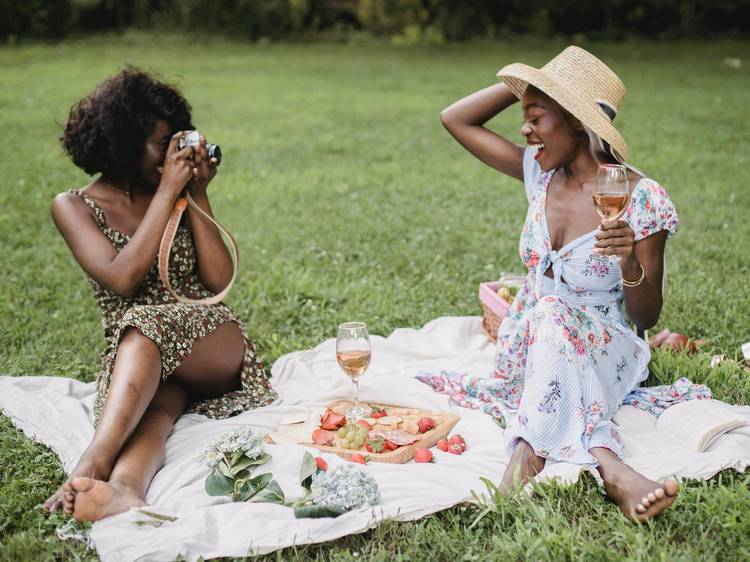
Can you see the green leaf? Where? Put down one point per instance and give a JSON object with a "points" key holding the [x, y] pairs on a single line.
{"points": [[272, 493], [316, 511], [249, 488], [236, 456], [225, 470], [219, 485], [307, 470]]}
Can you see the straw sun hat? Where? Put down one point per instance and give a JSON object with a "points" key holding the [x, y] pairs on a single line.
{"points": [[581, 84]]}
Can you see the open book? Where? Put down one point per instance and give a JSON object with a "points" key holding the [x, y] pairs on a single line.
{"points": [[694, 425]]}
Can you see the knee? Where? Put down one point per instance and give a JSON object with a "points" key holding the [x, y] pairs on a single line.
{"points": [[133, 338]]}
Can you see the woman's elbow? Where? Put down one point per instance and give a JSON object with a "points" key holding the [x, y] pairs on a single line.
{"points": [[447, 119]]}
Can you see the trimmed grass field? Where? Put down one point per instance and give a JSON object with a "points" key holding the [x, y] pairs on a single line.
{"points": [[349, 200]]}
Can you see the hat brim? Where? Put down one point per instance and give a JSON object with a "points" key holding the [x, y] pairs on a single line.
{"points": [[518, 76]]}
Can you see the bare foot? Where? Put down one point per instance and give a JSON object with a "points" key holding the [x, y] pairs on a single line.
{"points": [[90, 465], [96, 499], [638, 497], [524, 464]]}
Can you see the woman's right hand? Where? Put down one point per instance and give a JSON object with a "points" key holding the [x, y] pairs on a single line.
{"points": [[178, 166]]}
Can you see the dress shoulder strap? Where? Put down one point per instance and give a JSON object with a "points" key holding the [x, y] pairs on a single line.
{"points": [[98, 211]]}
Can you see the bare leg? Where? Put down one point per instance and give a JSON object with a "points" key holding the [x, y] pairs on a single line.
{"points": [[92, 499], [524, 464], [638, 497], [135, 378], [211, 369]]}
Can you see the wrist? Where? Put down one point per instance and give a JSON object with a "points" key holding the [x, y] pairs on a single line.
{"points": [[630, 268]]}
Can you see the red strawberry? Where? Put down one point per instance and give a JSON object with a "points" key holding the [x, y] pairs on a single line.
{"points": [[425, 424], [456, 449], [422, 455], [457, 440], [358, 458], [375, 445], [378, 412], [321, 463], [364, 424], [442, 444], [322, 437]]}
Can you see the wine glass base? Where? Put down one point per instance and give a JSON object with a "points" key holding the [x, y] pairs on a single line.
{"points": [[356, 413]]}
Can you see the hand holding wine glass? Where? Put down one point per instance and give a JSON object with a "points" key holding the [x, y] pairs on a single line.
{"points": [[611, 196], [353, 355]]}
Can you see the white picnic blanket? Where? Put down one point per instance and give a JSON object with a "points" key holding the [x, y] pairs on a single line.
{"points": [[58, 412]]}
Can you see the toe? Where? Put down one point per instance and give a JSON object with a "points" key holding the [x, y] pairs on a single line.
{"points": [[645, 502], [671, 487], [652, 498], [82, 484], [659, 493], [69, 497], [640, 508]]}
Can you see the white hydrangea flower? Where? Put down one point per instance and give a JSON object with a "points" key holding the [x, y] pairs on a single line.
{"points": [[246, 438], [344, 487]]}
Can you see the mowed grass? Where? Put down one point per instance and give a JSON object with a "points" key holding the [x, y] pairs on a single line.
{"points": [[350, 201]]}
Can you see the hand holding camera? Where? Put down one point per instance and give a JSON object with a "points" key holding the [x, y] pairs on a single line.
{"points": [[206, 157]]}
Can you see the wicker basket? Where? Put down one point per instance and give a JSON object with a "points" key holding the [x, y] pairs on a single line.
{"points": [[495, 308]]}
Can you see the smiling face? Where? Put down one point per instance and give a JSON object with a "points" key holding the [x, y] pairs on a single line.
{"points": [[556, 133], [154, 152]]}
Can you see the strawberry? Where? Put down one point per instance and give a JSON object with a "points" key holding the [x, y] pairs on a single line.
{"points": [[456, 449], [375, 445], [425, 424], [322, 437], [422, 455], [457, 440], [358, 458], [442, 444], [378, 412], [321, 464], [364, 424]]}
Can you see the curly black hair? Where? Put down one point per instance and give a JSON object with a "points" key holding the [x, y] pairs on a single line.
{"points": [[107, 130]]}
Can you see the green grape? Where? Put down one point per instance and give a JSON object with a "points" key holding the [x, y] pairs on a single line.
{"points": [[358, 442], [341, 432]]}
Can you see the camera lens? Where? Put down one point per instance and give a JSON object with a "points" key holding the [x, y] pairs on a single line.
{"points": [[214, 152]]}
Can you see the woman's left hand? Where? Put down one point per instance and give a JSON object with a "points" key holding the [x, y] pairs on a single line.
{"points": [[615, 238], [204, 169]]}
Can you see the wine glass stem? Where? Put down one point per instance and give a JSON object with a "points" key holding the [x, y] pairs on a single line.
{"points": [[356, 393]]}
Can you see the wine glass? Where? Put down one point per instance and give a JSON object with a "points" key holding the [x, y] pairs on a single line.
{"points": [[353, 354], [611, 196]]}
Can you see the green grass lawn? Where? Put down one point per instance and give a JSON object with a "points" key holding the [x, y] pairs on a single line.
{"points": [[350, 201]]}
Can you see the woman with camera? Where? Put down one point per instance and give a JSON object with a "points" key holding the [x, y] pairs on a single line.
{"points": [[566, 357], [163, 357]]}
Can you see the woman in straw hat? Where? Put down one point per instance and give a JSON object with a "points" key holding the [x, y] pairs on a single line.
{"points": [[566, 356]]}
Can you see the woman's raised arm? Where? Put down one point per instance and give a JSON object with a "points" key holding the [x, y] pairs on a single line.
{"points": [[123, 272], [465, 120]]}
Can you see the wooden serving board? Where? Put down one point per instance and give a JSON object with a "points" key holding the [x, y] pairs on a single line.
{"points": [[444, 423]]}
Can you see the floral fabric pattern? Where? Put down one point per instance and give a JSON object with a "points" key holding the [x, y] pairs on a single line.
{"points": [[566, 358], [174, 327]]}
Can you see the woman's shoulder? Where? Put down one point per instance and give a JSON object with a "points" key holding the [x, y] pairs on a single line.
{"points": [[651, 210]]}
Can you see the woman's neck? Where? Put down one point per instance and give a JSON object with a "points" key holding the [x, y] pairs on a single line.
{"points": [[581, 168]]}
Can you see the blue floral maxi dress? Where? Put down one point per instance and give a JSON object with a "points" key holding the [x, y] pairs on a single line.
{"points": [[566, 357]]}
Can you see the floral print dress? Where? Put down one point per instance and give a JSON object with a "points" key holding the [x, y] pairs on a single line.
{"points": [[566, 357], [174, 327]]}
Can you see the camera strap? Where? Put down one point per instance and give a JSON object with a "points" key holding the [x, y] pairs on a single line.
{"points": [[165, 248]]}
